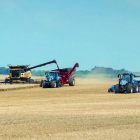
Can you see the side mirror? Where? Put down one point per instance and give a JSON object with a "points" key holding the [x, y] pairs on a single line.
{"points": [[46, 73]]}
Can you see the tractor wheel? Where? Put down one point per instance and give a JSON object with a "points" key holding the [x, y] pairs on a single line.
{"points": [[129, 88], [59, 83], [135, 87], [113, 90], [116, 89], [43, 84], [72, 82], [53, 84]]}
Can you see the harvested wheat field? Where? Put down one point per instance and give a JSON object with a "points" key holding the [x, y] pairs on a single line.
{"points": [[83, 112], [7, 87]]}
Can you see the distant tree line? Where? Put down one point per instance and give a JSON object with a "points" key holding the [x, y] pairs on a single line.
{"points": [[4, 70], [107, 72], [38, 72]]}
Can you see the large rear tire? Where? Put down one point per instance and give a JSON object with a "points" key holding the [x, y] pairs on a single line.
{"points": [[129, 88], [116, 89], [53, 84], [59, 83], [135, 87], [72, 82]]}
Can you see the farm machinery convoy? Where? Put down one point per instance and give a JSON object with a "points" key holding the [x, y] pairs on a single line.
{"points": [[58, 77], [54, 78], [127, 84]]}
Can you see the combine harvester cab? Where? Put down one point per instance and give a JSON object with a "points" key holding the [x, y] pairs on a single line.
{"points": [[61, 77], [127, 84]]}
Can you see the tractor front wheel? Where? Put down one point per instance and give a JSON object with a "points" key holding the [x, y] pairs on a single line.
{"points": [[43, 84], [53, 84], [116, 89]]}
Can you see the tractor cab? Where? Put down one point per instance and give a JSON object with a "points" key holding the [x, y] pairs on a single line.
{"points": [[126, 78], [52, 75]]}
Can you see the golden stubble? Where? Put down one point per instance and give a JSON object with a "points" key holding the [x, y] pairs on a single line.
{"points": [[83, 112]]}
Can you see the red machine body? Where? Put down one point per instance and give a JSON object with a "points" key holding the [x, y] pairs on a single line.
{"points": [[67, 73]]}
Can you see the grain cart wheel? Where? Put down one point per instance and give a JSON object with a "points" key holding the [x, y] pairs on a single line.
{"points": [[72, 82], [43, 84], [53, 84], [129, 88], [116, 88], [135, 87]]}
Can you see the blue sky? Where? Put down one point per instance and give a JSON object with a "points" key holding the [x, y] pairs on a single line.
{"points": [[93, 33]]}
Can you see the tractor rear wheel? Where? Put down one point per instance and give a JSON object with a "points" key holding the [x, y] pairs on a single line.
{"points": [[129, 88], [72, 82], [59, 83], [135, 87], [43, 84], [53, 84], [117, 88]]}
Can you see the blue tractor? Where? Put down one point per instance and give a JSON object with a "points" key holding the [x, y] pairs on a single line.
{"points": [[127, 84], [53, 80]]}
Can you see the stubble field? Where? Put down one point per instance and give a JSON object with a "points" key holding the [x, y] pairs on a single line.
{"points": [[83, 112]]}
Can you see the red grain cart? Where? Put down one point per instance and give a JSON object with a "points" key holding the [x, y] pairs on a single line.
{"points": [[67, 75]]}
